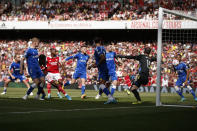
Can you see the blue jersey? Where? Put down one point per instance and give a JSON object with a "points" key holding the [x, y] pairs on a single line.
{"points": [[98, 51], [16, 68], [110, 60], [32, 57], [34, 70], [181, 69], [82, 60]]}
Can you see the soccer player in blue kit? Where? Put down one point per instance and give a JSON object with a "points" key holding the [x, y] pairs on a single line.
{"points": [[111, 66], [183, 78], [34, 70], [100, 57], [15, 66], [80, 70]]}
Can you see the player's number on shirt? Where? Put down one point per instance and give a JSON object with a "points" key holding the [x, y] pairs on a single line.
{"points": [[148, 63]]}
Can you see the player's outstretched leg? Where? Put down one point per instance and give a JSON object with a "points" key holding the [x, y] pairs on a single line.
{"points": [[5, 86], [49, 90], [29, 91], [192, 92], [127, 90], [113, 89], [59, 95], [83, 95], [179, 92], [67, 83], [4, 91], [64, 92], [41, 91], [110, 97], [137, 96], [99, 94]]}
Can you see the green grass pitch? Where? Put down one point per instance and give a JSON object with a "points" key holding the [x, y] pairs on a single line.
{"points": [[92, 115]]}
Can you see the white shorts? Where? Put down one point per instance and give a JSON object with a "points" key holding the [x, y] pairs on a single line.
{"points": [[53, 77]]}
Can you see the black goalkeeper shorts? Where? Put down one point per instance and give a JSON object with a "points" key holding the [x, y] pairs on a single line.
{"points": [[142, 79]]}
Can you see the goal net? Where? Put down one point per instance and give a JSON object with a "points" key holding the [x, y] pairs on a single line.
{"points": [[177, 37]]}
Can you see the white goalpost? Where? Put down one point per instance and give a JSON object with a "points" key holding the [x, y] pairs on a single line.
{"points": [[171, 33]]}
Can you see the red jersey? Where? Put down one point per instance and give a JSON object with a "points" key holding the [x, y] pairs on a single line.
{"points": [[53, 64]]}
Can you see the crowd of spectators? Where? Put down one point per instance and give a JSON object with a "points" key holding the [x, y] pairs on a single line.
{"points": [[128, 69], [93, 10]]}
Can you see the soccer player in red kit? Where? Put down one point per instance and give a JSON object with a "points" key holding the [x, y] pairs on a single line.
{"points": [[53, 76]]}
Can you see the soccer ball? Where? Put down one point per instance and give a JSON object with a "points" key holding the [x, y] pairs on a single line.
{"points": [[175, 62]]}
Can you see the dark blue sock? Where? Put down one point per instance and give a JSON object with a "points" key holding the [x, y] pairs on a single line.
{"points": [[193, 93], [180, 93], [112, 91], [5, 90], [30, 90], [100, 91], [106, 91], [83, 90], [39, 90], [67, 83]]}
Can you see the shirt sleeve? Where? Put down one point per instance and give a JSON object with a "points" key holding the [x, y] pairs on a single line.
{"points": [[11, 66], [128, 57], [114, 54], [185, 66], [26, 53], [76, 56]]}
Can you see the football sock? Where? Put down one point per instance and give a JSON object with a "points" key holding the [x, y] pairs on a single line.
{"points": [[41, 89], [113, 89], [60, 89], [82, 89], [31, 88], [67, 83], [100, 91], [179, 92], [193, 93], [49, 88], [106, 91], [136, 94], [5, 89]]}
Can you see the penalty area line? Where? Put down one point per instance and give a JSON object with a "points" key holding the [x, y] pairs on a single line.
{"points": [[182, 106], [71, 110]]}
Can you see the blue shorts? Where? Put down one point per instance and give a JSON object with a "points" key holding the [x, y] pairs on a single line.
{"points": [[103, 76], [180, 81], [113, 76], [20, 77], [35, 72], [78, 74]]}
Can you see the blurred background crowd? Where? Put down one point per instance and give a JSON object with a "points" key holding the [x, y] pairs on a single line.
{"points": [[99, 10]]}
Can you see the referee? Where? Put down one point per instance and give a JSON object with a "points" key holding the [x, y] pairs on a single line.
{"points": [[142, 79]]}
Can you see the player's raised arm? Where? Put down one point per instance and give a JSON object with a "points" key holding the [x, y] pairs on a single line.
{"points": [[187, 76], [127, 57], [91, 63], [70, 57], [62, 65], [22, 61], [22, 65]]}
